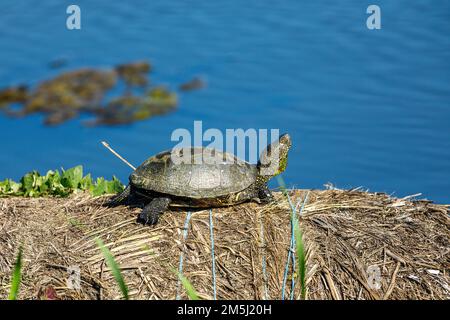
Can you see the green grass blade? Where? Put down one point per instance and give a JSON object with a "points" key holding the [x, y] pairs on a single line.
{"points": [[16, 277], [192, 294], [112, 264], [301, 259], [299, 245], [190, 291]]}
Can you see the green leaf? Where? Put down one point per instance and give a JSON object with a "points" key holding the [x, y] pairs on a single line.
{"points": [[41, 185], [100, 187], [28, 181], [16, 277], [52, 178], [112, 264], [53, 183], [114, 186], [4, 186], [9, 187], [15, 187], [86, 183], [72, 177]]}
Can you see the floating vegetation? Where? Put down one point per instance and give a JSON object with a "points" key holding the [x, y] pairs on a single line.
{"points": [[134, 74], [130, 108], [193, 84], [62, 184], [57, 63], [17, 94], [88, 90]]}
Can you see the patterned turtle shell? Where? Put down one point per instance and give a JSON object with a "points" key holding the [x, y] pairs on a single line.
{"points": [[194, 173]]}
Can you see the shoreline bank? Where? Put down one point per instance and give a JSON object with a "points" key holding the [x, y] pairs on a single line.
{"points": [[347, 235]]}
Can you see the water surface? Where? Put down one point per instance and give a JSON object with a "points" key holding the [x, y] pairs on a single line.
{"points": [[364, 108]]}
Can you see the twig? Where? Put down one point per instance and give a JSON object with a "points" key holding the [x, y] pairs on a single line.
{"points": [[213, 269], [392, 284], [334, 293], [394, 256], [180, 267], [106, 145], [148, 284], [263, 262]]}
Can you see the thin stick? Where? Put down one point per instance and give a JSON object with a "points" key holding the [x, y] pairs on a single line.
{"points": [[106, 145], [392, 284]]}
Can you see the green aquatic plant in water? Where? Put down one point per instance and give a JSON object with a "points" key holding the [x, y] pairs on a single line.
{"points": [[119, 95], [56, 183]]}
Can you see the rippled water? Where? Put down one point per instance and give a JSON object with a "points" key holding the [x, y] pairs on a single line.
{"points": [[364, 108]]}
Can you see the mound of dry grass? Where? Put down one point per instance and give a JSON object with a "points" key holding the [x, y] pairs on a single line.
{"points": [[346, 233]]}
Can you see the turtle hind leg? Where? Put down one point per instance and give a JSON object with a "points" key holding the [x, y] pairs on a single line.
{"points": [[120, 198], [151, 212]]}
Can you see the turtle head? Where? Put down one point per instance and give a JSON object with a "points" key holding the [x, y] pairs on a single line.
{"points": [[273, 159]]}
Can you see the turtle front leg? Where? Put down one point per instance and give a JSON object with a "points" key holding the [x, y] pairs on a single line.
{"points": [[265, 195], [151, 212]]}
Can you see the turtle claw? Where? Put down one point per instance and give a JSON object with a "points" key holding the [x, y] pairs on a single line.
{"points": [[152, 218], [151, 212], [148, 217]]}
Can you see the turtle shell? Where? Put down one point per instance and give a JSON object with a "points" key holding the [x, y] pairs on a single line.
{"points": [[196, 176]]}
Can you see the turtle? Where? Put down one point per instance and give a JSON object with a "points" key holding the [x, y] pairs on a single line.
{"points": [[201, 177]]}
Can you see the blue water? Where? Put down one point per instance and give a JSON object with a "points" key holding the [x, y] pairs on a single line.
{"points": [[364, 108]]}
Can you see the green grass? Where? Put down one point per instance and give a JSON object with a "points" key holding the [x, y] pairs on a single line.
{"points": [[112, 264], [16, 277], [299, 245], [301, 259], [190, 291], [56, 183], [192, 294]]}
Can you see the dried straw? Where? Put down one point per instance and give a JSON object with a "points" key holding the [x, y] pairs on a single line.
{"points": [[345, 233]]}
